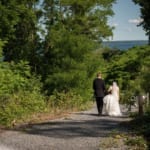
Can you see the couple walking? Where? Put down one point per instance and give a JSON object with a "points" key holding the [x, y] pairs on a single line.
{"points": [[109, 104]]}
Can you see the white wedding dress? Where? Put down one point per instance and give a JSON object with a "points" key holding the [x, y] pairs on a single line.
{"points": [[111, 102]]}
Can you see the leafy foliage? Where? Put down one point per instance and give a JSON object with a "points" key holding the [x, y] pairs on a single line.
{"points": [[63, 57], [145, 9], [130, 69], [20, 93], [73, 30]]}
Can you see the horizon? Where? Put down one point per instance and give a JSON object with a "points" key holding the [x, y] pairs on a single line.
{"points": [[122, 40], [125, 44]]}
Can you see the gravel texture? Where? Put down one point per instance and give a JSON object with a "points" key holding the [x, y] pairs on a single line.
{"points": [[79, 131]]}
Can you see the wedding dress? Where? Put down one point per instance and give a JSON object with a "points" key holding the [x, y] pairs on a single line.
{"points": [[111, 102]]}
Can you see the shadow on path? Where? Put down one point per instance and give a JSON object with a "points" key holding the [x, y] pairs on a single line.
{"points": [[98, 126], [80, 130]]}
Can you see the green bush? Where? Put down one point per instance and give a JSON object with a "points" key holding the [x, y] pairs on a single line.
{"points": [[66, 101], [20, 93]]}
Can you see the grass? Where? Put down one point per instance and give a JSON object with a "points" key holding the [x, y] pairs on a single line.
{"points": [[137, 136], [124, 141]]}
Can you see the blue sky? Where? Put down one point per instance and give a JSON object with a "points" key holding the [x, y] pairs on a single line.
{"points": [[125, 20]]}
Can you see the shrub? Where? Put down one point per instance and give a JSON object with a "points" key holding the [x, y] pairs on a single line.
{"points": [[20, 93]]}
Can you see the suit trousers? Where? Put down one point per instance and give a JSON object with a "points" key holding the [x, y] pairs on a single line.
{"points": [[99, 102]]}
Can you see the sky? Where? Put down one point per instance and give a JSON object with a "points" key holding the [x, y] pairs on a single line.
{"points": [[125, 20]]}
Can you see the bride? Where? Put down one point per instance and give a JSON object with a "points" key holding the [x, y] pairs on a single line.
{"points": [[111, 101]]}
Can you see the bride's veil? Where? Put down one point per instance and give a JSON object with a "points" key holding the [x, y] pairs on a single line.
{"points": [[115, 89]]}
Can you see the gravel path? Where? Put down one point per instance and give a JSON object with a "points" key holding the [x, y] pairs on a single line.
{"points": [[78, 131]]}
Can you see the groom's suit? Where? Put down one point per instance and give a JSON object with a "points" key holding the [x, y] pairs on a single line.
{"points": [[99, 92]]}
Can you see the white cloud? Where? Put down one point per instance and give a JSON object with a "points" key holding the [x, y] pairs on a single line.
{"points": [[135, 21]]}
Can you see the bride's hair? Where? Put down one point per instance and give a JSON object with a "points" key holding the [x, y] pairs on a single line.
{"points": [[114, 83]]}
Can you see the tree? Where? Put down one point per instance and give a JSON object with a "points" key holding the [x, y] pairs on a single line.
{"points": [[145, 15], [19, 27], [73, 29], [81, 17]]}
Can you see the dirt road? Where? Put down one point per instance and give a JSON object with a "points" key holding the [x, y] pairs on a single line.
{"points": [[79, 131]]}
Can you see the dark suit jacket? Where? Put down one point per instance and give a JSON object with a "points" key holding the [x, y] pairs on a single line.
{"points": [[99, 87]]}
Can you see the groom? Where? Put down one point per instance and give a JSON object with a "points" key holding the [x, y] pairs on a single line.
{"points": [[99, 92]]}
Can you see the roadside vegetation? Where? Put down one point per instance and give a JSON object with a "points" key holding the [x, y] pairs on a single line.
{"points": [[131, 69]]}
